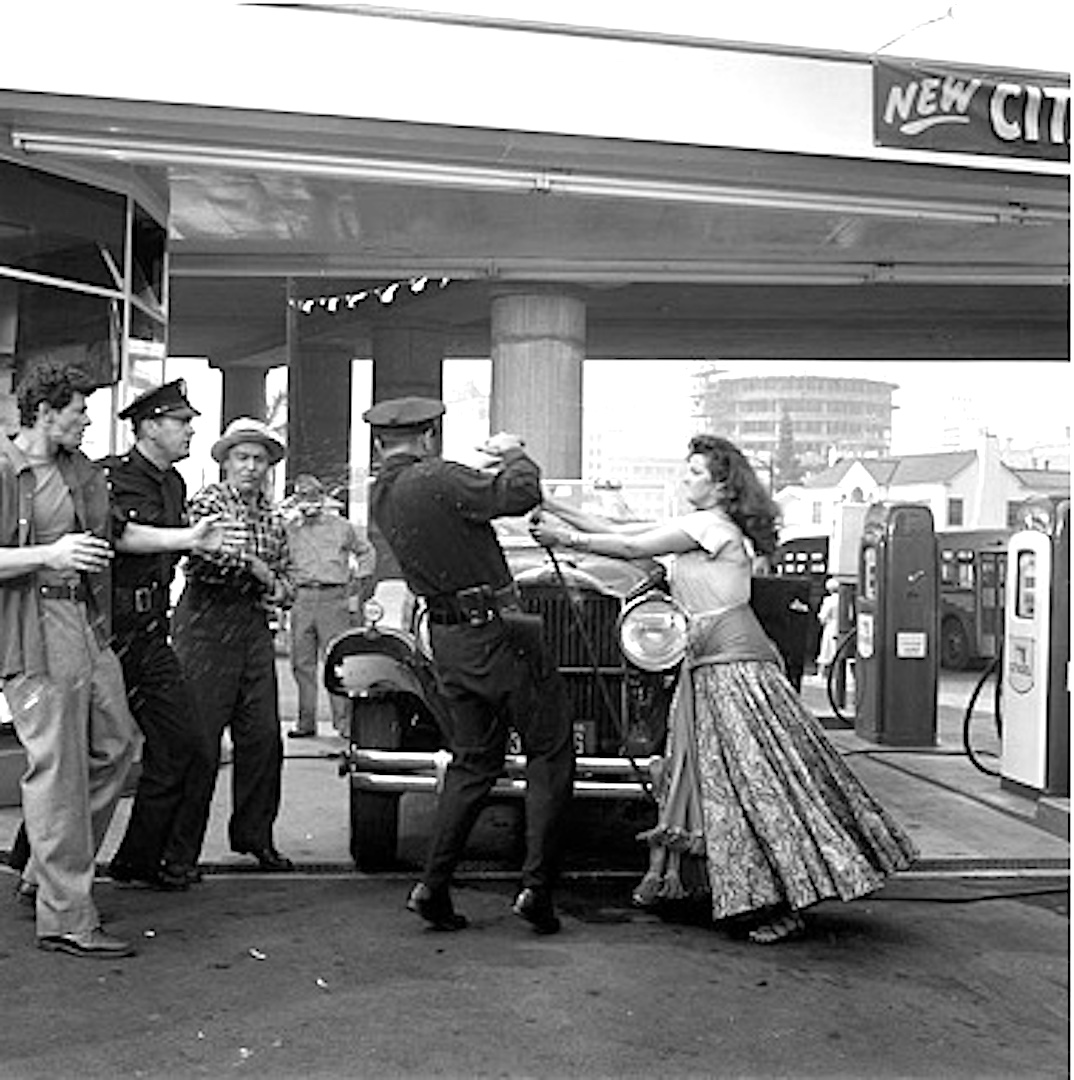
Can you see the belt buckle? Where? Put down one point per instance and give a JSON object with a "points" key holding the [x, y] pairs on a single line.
{"points": [[476, 605], [143, 599]]}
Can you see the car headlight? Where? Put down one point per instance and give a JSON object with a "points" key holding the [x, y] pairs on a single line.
{"points": [[422, 638], [652, 632]]}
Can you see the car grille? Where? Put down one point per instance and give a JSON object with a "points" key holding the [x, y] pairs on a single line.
{"points": [[615, 707]]}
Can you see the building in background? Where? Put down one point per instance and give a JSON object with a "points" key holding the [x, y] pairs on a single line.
{"points": [[964, 489], [829, 417]]}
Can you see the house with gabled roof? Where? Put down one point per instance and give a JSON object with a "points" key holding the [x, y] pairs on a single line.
{"points": [[971, 489]]}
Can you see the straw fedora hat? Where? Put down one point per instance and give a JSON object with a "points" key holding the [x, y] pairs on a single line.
{"points": [[247, 430]]}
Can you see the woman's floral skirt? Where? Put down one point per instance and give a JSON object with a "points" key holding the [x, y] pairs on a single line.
{"points": [[757, 807]]}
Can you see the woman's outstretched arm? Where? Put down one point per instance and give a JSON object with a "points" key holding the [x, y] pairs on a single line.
{"points": [[592, 523]]}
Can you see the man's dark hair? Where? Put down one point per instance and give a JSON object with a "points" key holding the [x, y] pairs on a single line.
{"points": [[391, 437], [52, 383]]}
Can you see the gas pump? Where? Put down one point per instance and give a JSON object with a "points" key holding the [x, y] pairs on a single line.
{"points": [[896, 673], [1036, 681]]}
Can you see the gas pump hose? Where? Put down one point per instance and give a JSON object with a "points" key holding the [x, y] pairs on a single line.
{"points": [[602, 689], [997, 667], [849, 638]]}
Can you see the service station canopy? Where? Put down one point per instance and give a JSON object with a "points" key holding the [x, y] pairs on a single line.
{"points": [[705, 199]]}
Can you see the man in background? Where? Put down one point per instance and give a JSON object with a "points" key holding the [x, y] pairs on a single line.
{"points": [[332, 562]]}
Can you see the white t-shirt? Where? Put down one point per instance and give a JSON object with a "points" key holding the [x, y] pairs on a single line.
{"points": [[717, 575]]}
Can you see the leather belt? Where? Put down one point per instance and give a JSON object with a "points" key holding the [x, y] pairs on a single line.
{"points": [[318, 586], [475, 606], [76, 592]]}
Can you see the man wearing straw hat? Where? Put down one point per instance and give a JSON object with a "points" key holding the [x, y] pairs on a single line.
{"points": [[226, 649]]}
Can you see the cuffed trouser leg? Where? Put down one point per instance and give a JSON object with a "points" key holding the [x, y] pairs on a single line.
{"points": [[304, 643], [210, 652], [79, 738], [541, 716], [333, 619], [162, 706], [477, 759], [257, 761]]}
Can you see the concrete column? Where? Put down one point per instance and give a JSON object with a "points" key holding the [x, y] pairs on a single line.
{"points": [[243, 394], [319, 415], [408, 361], [538, 345]]}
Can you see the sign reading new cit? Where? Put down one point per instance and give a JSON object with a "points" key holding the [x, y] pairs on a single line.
{"points": [[924, 107]]}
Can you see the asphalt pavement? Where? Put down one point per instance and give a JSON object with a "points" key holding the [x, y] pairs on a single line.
{"points": [[957, 968]]}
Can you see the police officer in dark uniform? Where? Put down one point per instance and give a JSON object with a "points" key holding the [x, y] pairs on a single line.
{"points": [[150, 530], [491, 663]]}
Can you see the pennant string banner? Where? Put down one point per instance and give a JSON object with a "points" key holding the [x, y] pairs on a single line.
{"points": [[384, 294]]}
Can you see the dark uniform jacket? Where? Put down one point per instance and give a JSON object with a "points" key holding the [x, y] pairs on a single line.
{"points": [[143, 493], [435, 516]]}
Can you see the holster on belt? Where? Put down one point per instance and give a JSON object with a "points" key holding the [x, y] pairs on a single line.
{"points": [[140, 601], [525, 631]]}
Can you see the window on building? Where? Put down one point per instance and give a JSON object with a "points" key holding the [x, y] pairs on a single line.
{"points": [[818, 509], [955, 512]]}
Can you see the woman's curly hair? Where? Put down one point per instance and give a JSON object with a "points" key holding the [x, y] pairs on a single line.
{"points": [[744, 499]]}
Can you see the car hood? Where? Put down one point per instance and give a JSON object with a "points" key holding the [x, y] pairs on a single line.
{"points": [[532, 565]]}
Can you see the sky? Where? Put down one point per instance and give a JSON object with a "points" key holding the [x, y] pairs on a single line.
{"points": [[974, 31], [1025, 402]]}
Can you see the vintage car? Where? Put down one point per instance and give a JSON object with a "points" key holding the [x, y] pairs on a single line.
{"points": [[617, 639]]}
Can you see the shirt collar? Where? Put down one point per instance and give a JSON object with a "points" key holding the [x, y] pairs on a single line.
{"points": [[10, 450]]}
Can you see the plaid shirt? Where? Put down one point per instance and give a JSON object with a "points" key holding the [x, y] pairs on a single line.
{"points": [[266, 538]]}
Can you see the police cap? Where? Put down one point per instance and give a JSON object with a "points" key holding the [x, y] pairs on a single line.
{"points": [[397, 414], [167, 400]]}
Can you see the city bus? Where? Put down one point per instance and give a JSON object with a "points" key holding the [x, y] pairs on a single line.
{"points": [[973, 566], [973, 575]]}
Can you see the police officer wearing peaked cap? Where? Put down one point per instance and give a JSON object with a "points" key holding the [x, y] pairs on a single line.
{"points": [[150, 530], [167, 400], [492, 666], [405, 412]]}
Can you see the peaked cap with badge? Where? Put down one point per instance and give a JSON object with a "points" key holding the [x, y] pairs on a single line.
{"points": [[167, 400], [404, 413]]}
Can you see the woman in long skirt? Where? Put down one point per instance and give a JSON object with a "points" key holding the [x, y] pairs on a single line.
{"points": [[757, 810]]}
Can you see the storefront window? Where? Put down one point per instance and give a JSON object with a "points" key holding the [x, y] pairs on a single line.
{"points": [[148, 245], [68, 295], [61, 229]]}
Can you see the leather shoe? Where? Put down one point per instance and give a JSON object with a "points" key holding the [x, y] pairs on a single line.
{"points": [[269, 859], [535, 906], [435, 908], [93, 943], [191, 874], [295, 733], [160, 879]]}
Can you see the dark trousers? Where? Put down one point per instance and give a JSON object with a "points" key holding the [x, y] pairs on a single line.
{"points": [[226, 651], [175, 747], [492, 685]]}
